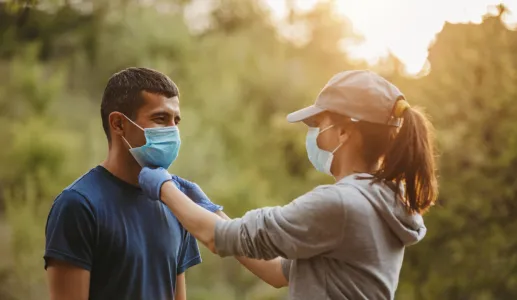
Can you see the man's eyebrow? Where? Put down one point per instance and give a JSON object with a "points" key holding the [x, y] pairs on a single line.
{"points": [[162, 113], [166, 114]]}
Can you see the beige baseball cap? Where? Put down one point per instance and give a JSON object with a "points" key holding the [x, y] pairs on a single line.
{"points": [[360, 94]]}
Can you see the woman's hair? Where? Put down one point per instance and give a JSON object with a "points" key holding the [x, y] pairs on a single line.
{"points": [[403, 155]]}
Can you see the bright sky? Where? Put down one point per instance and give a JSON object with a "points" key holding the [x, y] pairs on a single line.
{"points": [[404, 27]]}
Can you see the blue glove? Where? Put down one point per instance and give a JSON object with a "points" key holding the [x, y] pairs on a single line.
{"points": [[194, 192], [151, 181]]}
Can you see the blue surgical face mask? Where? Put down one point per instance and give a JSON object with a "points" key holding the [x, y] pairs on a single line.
{"points": [[161, 147], [320, 159]]}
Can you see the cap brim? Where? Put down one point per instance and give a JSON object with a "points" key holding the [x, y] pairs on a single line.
{"points": [[304, 113]]}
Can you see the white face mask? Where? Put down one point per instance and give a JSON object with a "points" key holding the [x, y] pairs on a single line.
{"points": [[320, 159]]}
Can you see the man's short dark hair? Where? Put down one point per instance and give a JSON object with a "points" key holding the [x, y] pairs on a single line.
{"points": [[123, 93]]}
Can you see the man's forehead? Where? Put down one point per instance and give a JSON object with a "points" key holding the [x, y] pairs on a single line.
{"points": [[173, 101], [158, 96], [160, 102]]}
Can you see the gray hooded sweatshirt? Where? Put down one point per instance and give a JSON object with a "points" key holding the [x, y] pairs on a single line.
{"points": [[340, 241]]}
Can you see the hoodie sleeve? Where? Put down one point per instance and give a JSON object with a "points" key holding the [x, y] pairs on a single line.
{"points": [[306, 227], [286, 267]]}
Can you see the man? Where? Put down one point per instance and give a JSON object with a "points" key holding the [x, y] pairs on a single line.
{"points": [[104, 237]]}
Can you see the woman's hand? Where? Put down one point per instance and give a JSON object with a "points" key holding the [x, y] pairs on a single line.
{"points": [[151, 181], [196, 219], [194, 192]]}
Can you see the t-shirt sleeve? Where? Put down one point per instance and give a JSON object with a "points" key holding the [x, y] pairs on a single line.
{"points": [[70, 230], [308, 226], [189, 255]]}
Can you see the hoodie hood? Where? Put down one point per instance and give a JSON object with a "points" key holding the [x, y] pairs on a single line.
{"points": [[409, 228]]}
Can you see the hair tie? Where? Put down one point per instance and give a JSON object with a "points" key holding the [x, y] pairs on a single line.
{"points": [[400, 108]]}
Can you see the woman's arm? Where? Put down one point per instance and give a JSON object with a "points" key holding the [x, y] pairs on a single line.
{"points": [[308, 226], [197, 220], [201, 224], [270, 271]]}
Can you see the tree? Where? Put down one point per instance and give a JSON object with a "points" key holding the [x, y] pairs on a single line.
{"points": [[470, 92]]}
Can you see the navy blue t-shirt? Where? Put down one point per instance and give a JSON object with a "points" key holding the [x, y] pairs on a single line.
{"points": [[133, 246]]}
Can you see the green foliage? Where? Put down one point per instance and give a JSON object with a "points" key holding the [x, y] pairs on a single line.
{"points": [[238, 78], [471, 93]]}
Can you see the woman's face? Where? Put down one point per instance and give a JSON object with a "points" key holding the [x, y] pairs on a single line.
{"points": [[330, 139]]}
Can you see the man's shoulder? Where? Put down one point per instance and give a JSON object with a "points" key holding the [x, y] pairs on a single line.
{"points": [[70, 197], [93, 185], [81, 191], [91, 177], [70, 205]]}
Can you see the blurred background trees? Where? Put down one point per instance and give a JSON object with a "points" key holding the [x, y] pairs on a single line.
{"points": [[238, 78]]}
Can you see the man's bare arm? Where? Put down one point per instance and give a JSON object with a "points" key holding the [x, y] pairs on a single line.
{"points": [[181, 287], [67, 282]]}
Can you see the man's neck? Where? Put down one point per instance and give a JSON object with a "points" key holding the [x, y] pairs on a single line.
{"points": [[122, 166]]}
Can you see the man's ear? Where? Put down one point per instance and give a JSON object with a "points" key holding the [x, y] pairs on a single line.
{"points": [[116, 121]]}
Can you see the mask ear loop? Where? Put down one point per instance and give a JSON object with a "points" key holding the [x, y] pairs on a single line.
{"points": [[321, 131], [337, 148], [341, 144], [127, 143], [133, 124]]}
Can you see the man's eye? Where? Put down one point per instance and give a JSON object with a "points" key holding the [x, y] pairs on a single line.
{"points": [[177, 120], [160, 120]]}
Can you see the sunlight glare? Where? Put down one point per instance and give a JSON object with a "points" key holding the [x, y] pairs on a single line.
{"points": [[405, 28]]}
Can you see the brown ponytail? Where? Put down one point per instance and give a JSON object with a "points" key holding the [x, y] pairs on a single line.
{"points": [[406, 157]]}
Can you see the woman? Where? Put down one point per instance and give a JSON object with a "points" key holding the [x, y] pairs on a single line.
{"points": [[340, 241]]}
